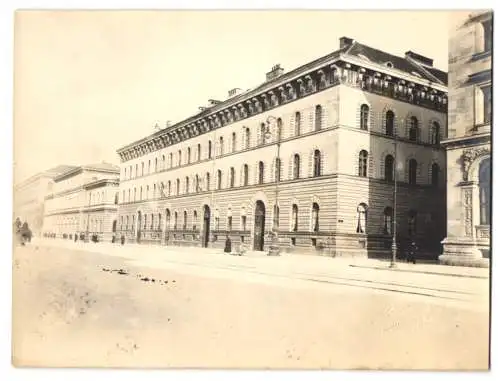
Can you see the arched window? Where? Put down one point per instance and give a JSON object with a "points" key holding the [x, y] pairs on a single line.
{"points": [[363, 116], [219, 179], [361, 218], [435, 175], [156, 164], [413, 129], [277, 170], [389, 168], [389, 123], [412, 222], [179, 158], [276, 217], [388, 223], [317, 163], [140, 193], [126, 222], [262, 133], [159, 222], [485, 192], [295, 218], [297, 123], [116, 198], [129, 195], [178, 187], [145, 221], [318, 118], [315, 217], [209, 149], [233, 142], [147, 192], [231, 177], [167, 219], [198, 152], [221, 146], [195, 219], [261, 172], [247, 138], [175, 220], [296, 166], [149, 166], [163, 165], [171, 160], [152, 221], [137, 170], [207, 179], [279, 125], [245, 174], [412, 171], [187, 185], [142, 169], [189, 155], [169, 188], [435, 133], [197, 184], [363, 164], [185, 221]]}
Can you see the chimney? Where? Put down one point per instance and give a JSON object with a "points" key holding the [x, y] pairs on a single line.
{"points": [[345, 41], [234, 92], [275, 72], [419, 58]]}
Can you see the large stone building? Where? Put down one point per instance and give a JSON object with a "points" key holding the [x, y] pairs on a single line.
{"points": [[29, 197], [468, 144], [320, 142], [84, 201]]}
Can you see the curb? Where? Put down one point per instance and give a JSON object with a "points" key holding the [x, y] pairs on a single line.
{"points": [[422, 272]]}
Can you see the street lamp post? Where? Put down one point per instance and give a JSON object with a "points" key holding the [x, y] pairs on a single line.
{"points": [[394, 245], [274, 249]]}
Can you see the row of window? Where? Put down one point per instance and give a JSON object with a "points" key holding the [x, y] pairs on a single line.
{"points": [[413, 133], [154, 221]]}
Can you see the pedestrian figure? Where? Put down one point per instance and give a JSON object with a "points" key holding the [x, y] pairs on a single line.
{"points": [[227, 246], [76, 237], [412, 252]]}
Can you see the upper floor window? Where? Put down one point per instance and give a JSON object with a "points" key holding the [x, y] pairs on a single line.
{"points": [[296, 166], [189, 155], [363, 164], [247, 137], [413, 133], [149, 166], [389, 168], [156, 164], [295, 218], [317, 163], [245, 174], [262, 133], [219, 179], [209, 149], [261, 172], [187, 184], [171, 160], [412, 171], [363, 117], [279, 125], [221, 146], [485, 192], [388, 218], [142, 169], [435, 133], [297, 123], [197, 184], [178, 187], [179, 157], [231, 177], [318, 118], [233, 142], [315, 217], [487, 36], [163, 164], [486, 99], [207, 179], [435, 174], [277, 170], [389, 123], [198, 153]]}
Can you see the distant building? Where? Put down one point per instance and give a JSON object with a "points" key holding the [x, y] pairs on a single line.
{"points": [[84, 200], [29, 197], [339, 120], [468, 143]]}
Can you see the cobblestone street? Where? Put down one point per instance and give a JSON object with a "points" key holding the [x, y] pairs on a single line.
{"points": [[103, 305]]}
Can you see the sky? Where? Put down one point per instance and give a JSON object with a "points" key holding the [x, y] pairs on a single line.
{"points": [[89, 82]]}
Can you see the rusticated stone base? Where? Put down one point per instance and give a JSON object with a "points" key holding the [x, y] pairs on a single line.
{"points": [[464, 252]]}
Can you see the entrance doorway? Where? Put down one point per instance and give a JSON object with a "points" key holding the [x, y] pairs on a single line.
{"points": [[260, 220], [139, 224], [206, 226]]}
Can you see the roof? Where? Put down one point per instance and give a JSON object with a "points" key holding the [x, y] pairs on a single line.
{"points": [[99, 167], [56, 171], [354, 48]]}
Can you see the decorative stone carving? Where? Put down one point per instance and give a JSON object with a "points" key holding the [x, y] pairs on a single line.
{"points": [[467, 205], [469, 156]]}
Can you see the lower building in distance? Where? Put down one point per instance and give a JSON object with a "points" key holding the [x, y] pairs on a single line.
{"points": [[83, 203], [336, 157]]}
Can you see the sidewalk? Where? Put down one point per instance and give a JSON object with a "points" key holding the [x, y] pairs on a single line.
{"points": [[301, 261]]}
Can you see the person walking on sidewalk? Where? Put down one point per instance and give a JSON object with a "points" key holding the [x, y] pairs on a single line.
{"points": [[227, 246], [412, 252]]}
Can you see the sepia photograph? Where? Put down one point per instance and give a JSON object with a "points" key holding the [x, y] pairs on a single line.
{"points": [[252, 189]]}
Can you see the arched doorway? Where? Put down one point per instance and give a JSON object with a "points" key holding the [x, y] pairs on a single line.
{"points": [[206, 226], [260, 221], [139, 223]]}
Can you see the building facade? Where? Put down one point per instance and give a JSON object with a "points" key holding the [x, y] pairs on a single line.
{"points": [[468, 144], [84, 201], [309, 155], [29, 197]]}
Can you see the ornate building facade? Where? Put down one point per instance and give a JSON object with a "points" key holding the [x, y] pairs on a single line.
{"points": [[311, 155], [29, 197], [468, 144], [83, 201]]}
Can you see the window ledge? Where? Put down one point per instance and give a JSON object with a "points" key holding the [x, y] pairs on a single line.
{"points": [[481, 55]]}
